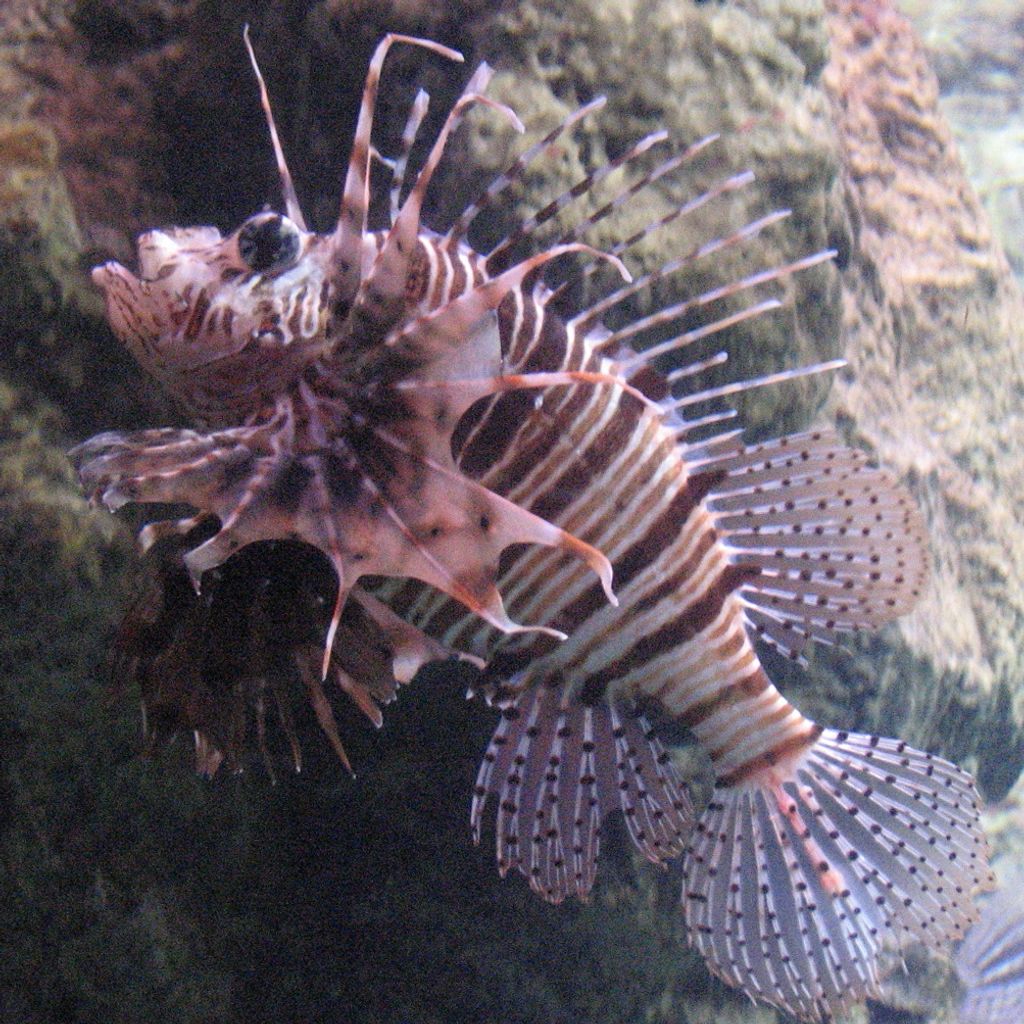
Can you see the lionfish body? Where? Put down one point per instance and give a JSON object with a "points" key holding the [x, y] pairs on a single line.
{"points": [[419, 413]]}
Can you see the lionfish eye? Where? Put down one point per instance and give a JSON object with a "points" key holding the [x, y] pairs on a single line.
{"points": [[268, 241]]}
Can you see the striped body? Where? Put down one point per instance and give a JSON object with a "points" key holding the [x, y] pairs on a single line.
{"points": [[476, 463], [604, 468]]}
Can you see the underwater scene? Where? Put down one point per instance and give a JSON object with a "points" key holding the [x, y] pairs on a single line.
{"points": [[512, 512]]}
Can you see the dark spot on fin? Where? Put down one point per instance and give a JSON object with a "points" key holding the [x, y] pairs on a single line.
{"points": [[238, 466], [343, 481]]}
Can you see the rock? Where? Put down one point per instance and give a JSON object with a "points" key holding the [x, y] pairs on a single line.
{"points": [[976, 51], [67, 127], [707, 68], [931, 312]]}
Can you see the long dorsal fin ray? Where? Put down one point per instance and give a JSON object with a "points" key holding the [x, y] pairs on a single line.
{"points": [[417, 112], [666, 167], [355, 200], [381, 299], [515, 173], [586, 319], [581, 188], [291, 199]]}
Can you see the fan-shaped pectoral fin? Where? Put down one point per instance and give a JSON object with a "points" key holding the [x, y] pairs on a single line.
{"points": [[450, 531]]}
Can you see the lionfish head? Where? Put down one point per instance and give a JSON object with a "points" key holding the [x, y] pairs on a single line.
{"points": [[224, 323], [326, 375]]}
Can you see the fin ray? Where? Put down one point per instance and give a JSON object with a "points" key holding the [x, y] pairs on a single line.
{"points": [[559, 768], [832, 543], [798, 873]]}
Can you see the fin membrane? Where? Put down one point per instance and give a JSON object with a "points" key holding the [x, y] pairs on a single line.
{"points": [[795, 878], [558, 768], [835, 544]]}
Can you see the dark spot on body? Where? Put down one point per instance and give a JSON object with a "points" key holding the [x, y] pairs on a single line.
{"points": [[343, 480], [289, 484], [238, 466], [593, 690]]}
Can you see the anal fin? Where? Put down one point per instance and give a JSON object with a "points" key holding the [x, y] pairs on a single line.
{"points": [[558, 768]]}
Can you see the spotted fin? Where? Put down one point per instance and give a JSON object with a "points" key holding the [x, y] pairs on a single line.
{"points": [[798, 873], [395, 512], [833, 544], [558, 768]]}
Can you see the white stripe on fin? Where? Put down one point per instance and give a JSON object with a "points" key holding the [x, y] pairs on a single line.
{"points": [[832, 543], [798, 873], [558, 768]]}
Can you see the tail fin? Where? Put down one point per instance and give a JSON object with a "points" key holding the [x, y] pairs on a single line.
{"points": [[990, 961], [796, 876], [558, 768]]}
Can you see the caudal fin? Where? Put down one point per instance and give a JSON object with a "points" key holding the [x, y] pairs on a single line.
{"points": [[795, 877], [990, 961], [558, 768]]}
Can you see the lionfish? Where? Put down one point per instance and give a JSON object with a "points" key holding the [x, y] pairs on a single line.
{"points": [[462, 450]]}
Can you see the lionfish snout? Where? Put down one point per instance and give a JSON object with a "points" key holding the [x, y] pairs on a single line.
{"points": [[225, 323]]}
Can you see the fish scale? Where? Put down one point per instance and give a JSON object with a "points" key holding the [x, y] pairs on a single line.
{"points": [[477, 461]]}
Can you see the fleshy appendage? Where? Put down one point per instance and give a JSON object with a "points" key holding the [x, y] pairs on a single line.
{"points": [[796, 877], [558, 768]]}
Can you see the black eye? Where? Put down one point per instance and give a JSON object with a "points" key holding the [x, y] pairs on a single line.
{"points": [[268, 241]]}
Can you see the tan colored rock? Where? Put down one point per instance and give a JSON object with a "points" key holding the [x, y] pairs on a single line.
{"points": [[976, 50], [932, 322]]}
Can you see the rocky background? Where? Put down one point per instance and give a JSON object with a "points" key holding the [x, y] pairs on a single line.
{"points": [[134, 891]]}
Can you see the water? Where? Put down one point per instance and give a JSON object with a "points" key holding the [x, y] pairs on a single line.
{"points": [[136, 890]]}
